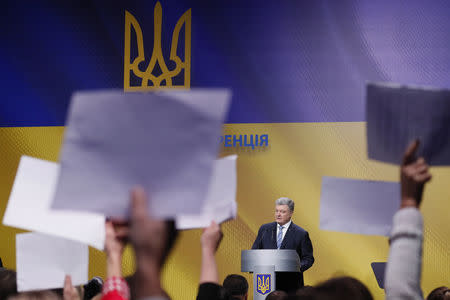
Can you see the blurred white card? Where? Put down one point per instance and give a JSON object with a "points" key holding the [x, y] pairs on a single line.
{"points": [[42, 261], [398, 114], [358, 206], [220, 204], [166, 142], [29, 206]]}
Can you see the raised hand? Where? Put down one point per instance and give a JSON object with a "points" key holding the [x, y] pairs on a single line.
{"points": [[413, 175], [152, 240]]}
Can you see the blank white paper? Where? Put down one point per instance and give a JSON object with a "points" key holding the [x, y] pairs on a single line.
{"points": [[29, 206], [165, 142], [42, 261], [220, 204], [358, 206]]}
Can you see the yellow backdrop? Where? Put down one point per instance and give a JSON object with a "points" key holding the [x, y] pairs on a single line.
{"points": [[297, 157]]}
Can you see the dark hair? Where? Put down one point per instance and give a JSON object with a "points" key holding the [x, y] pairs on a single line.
{"points": [[440, 293], [342, 288], [237, 285], [277, 295], [8, 286], [305, 293], [224, 294], [37, 295]]}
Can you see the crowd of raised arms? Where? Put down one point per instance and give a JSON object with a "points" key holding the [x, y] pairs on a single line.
{"points": [[152, 241]]}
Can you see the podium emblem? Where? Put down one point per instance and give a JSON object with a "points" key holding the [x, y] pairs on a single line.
{"points": [[264, 282]]}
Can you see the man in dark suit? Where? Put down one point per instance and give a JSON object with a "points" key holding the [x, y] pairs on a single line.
{"points": [[284, 234]]}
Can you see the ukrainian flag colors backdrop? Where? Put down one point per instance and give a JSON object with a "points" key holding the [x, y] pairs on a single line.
{"points": [[297, 71]]}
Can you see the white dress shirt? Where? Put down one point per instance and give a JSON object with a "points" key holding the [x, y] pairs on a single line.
{"points": [[285, 228]]}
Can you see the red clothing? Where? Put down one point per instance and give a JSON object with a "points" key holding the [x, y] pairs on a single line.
{"points": [[115, 288]]}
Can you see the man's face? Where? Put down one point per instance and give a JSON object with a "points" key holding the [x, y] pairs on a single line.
{"points": [[282, 214]]}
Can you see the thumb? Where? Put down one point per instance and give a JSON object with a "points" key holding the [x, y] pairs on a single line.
{"points": [[139, 204], [410, 153]]}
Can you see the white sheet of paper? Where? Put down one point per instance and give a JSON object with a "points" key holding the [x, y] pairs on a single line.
{"points": [[42, 261], [220, 204], [358, 206], [398, 114], [29, 206], [166, 142]]}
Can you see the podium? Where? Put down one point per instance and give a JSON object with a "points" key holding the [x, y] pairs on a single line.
{"points": [[264, 263]]}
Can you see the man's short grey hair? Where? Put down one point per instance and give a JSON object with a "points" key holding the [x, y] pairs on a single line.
{"points": [[285, 201]]}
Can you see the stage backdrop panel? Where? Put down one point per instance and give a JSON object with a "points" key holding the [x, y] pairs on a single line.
{"points": [[297, 71]]}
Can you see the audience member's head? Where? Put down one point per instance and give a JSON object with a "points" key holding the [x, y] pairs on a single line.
{"points": [[342, 288], [440, 293], [37, 295], [306, 293], [237, 285], [225, 294], [8, 285], [277, 295]]}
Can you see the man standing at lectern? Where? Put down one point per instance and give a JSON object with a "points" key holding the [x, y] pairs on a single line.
{"points": [[284, 234]]}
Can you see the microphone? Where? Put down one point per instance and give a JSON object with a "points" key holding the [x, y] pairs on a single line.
{"points": [[92, 288]]}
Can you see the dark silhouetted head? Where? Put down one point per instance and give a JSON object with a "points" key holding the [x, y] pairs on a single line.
{"points": [[277, 295], [440, 293], [237, 286], [342, 288], [8, 285]]}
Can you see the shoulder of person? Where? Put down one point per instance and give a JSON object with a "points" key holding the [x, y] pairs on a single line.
{"points": [[269, 225], [297, 228]]}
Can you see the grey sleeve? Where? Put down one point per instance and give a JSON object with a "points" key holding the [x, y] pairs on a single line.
{"points": [[404, 267]]}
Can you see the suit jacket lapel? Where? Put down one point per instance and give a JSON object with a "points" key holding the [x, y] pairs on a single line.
{"points": [[274, 235], [287, 236]]}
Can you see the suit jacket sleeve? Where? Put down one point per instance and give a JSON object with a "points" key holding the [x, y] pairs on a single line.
{"points": [[257, 244], [306, 253]]}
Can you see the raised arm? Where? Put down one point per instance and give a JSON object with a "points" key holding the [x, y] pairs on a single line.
{"points": [[152, 241], [403, 271], [115, 287], [210, 240], [209, 288]]}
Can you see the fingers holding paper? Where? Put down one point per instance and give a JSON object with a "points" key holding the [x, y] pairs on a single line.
{"points": [[414, 174]]}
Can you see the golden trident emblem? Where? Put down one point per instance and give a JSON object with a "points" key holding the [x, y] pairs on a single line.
{"points": [[263, 285], [163, 80]]}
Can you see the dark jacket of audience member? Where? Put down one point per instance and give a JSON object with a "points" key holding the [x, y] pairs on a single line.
{"points": [[212, 291]]}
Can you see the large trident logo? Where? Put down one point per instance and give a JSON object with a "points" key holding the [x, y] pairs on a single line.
{"points": [[263, 283], [164, 79]]}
